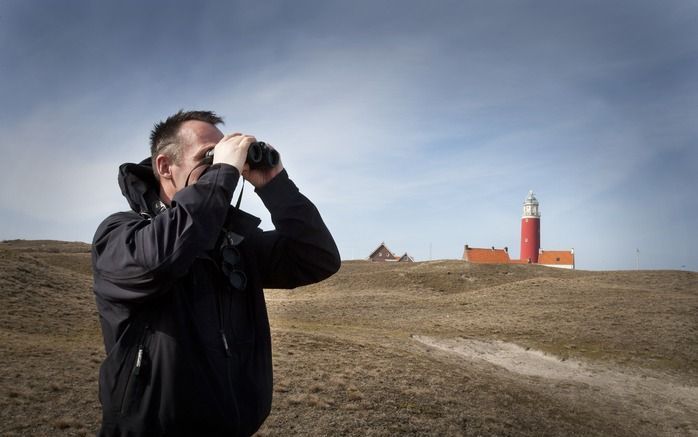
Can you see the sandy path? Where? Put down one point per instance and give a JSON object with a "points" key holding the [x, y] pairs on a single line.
{"points": [[659, 400]]}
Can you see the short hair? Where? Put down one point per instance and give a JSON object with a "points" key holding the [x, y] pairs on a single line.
{"points": [[165, 139]]}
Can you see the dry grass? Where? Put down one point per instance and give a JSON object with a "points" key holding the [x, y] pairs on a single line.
{"points": [[345, 362], [50, 348], [355, 328]]}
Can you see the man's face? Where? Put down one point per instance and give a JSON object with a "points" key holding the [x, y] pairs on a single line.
{"points": [[198, 137]]}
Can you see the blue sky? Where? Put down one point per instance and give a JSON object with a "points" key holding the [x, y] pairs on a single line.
{"points": [[421, 124]]}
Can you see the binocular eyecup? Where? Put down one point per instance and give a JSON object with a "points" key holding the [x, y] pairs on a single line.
{"points": [[259, 156]]}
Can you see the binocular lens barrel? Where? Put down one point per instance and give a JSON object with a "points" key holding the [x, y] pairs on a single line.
{"points": [[260, 155]]}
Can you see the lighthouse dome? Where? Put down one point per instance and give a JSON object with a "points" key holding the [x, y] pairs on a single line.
{"points": [[531, 197], [530, 208]]}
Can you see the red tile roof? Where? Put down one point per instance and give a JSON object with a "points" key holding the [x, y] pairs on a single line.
{"points": [[552, 257], [486, 256]]}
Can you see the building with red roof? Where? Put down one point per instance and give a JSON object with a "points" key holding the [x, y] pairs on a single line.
{"points": [[557, 258], [531, 253], [486, 256]]}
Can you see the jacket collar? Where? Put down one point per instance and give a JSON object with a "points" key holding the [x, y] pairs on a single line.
{"points": [[140, 188]]}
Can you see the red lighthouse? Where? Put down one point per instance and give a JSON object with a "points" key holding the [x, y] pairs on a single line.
{"points": [[530, 229]]}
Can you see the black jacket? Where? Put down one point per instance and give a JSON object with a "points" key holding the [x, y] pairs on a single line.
{"points": [[186, 353]]}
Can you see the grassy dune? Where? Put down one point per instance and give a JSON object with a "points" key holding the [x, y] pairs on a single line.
{"points": [[434, 348]]}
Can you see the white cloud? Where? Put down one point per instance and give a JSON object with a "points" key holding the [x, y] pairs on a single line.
{"points": [[428, 129]]}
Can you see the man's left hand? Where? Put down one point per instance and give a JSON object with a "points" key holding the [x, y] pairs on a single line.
{"points": [[259, 177]]}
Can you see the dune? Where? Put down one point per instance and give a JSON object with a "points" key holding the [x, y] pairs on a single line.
{"points": [[429, 348]]}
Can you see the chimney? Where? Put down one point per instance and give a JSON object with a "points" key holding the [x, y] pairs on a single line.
{"points": [[506, 249]]}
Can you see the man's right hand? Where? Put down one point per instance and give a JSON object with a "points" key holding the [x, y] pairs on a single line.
{"points": [[232, 149]]}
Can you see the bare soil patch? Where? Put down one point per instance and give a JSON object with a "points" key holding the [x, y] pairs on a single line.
{"points": [[615, 384]]}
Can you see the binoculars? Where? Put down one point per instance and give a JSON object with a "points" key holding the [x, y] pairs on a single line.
{"points": [[259, 155]]}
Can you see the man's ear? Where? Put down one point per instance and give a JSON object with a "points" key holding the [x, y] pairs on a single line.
{"points": [[163, 166]]}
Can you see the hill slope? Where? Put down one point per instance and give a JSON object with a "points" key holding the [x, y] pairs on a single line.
{"points": [[50, 348], [436, 348], [450, 348]]}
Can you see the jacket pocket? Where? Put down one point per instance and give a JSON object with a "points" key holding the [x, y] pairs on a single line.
{"points": [[116, 370], [137, 376]]}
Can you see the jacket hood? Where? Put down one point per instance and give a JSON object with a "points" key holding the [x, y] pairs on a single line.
{"points": [[140, 188]]}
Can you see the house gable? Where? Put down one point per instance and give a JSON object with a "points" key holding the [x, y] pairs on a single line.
{"points": [[406, 258], [382, 253]]}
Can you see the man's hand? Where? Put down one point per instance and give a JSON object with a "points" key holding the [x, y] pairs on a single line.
{"points": [[259, 177], [232, 149]]}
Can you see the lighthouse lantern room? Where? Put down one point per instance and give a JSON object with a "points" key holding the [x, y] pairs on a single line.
{"points": [[530, 229]]}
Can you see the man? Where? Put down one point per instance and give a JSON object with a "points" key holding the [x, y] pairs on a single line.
{"points": [[178, 283]]}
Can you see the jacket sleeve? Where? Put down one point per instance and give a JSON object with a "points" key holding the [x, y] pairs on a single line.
{"points": [[300, 250], [134, 258]]}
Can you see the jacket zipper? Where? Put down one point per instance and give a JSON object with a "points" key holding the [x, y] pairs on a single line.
{"points": [[136, 369], [225, 344], [228, 356], [139, 361]]}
